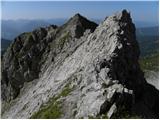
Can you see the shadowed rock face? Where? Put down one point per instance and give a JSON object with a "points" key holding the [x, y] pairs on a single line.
{"points": [[23, 60], [98, 64]]}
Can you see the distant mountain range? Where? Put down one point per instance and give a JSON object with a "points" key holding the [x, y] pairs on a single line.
{"points": [[147, 31], [12, 28]]}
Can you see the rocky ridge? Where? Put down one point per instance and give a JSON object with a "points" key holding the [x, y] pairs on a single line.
{"points": [[88, 70]]}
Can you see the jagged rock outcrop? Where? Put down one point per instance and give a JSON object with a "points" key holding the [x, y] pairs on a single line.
{"points": [[79, 70], [24, 58]]}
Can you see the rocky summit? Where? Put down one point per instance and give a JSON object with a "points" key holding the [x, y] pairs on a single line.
{"points": [[77, 70]]}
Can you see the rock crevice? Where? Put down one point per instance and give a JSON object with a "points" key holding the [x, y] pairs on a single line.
{"points": [[97, 64]]}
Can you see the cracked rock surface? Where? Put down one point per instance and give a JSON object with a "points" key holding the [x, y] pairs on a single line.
{"points": [[98, 64]]}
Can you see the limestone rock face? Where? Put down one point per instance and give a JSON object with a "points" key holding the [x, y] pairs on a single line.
{"points": [[91, 71], [23, 60]]}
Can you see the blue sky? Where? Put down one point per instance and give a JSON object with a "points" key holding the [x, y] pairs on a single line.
{"points": [[140, 10]]}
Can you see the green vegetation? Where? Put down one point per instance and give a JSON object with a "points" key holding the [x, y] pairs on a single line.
{"points": [[53, 108], [63, 40], [123, 113], [150, 62], [65, 92], [59, 43], [148, 45]]}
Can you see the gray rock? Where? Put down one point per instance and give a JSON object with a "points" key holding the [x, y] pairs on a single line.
{"points": [[101, 65], [112, 110], [152, 77], [23, 60]]}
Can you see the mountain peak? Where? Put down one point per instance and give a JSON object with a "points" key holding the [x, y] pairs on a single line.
{"points": [[124, 16], [78, 18], [78, 15], [99, 71], [78, 24]]}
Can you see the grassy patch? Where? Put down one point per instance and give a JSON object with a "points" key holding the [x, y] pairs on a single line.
{"points": [[51, 111], [66, 90], [150, 62], [53, 108]]}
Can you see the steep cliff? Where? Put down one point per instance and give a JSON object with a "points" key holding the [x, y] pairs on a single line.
{"points": [[24, 58], [78, 70]]}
